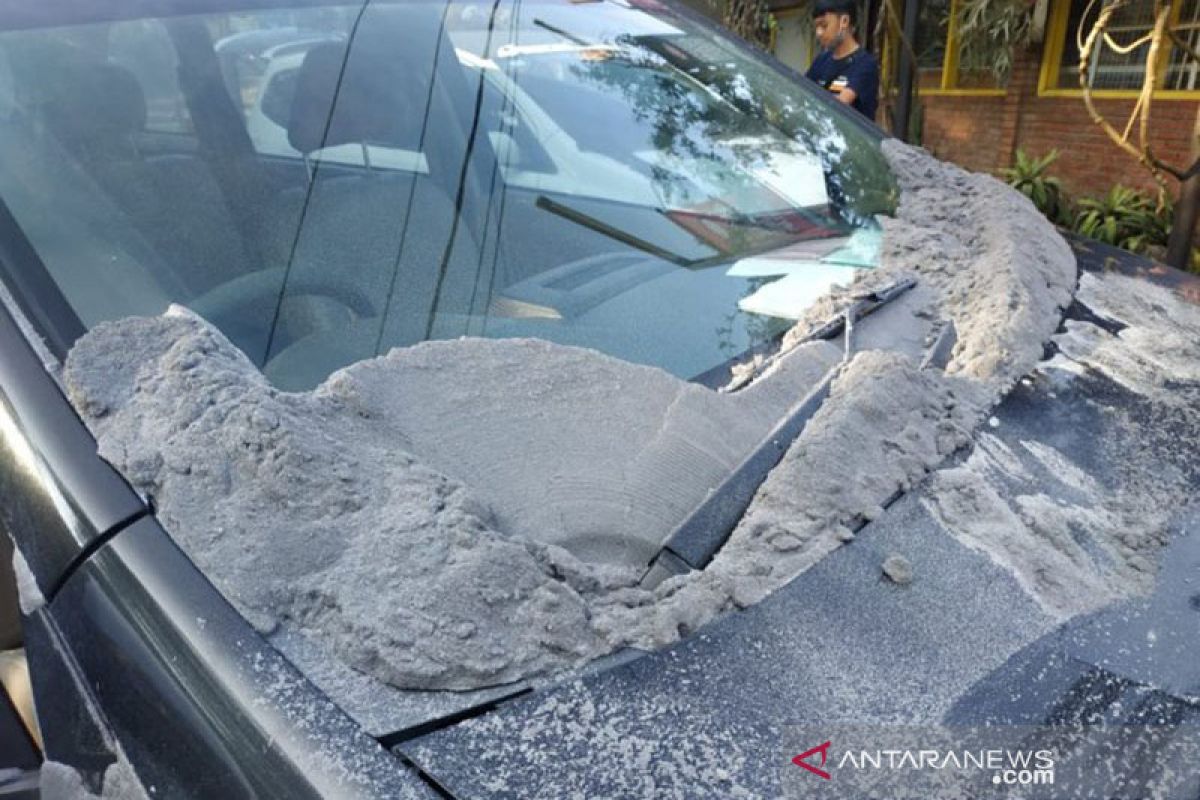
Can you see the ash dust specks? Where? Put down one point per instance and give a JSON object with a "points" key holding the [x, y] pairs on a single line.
{"points": [[671, 764]]}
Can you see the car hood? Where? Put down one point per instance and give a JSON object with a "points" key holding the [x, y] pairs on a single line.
{"points": [[1042, 596]]}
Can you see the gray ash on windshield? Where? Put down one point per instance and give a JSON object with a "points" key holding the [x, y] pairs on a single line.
{"points": [[369, 513], [305, 509]]}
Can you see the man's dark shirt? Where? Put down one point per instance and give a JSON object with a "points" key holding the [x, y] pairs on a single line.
{"points": [[858, 71]]}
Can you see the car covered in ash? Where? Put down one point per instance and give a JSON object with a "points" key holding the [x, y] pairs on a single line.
{"points": [[445, 398]]}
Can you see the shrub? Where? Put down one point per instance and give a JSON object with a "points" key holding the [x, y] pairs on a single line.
{"points": [[1125, 218], [1029, 176]]}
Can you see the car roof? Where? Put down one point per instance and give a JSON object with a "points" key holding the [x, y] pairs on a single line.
{"points": [[17, 14]]}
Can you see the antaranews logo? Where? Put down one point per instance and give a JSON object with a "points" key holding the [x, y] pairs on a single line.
{"points": [[942, 762], [801, 760], [1003, 766], [1010, 767]]}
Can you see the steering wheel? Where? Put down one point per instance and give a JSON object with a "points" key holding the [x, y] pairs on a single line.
{"points": [[248, 309]]}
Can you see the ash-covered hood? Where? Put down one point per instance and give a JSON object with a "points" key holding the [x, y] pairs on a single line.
{"points": [[1048, 580]]}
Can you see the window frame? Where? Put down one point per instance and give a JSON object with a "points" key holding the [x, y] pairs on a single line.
{"points": [[1055, 44], [949, 78]]}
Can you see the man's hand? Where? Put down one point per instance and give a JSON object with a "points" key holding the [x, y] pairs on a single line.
{"points": [[847, 95]]}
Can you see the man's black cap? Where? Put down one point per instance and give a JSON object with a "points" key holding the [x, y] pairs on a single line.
{"points": [[848, 7]]}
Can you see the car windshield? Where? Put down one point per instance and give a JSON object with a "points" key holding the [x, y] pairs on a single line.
{"points": [[324, 183]]}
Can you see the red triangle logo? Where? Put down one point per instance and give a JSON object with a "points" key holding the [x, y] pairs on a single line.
{"points": [[823, 749]]}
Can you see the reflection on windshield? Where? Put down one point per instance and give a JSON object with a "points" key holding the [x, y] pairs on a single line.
{"points": [[607, 175]]}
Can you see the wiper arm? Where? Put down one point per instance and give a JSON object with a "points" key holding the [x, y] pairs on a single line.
{"points": [[861, 305], [625, 237], [696, 540], [560, 32], [702, 533], [866, 303], [612, 232], [776, 220]]}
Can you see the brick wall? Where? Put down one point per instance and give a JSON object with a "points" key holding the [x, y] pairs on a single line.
{"points": [[965, 130], [983, 133]]}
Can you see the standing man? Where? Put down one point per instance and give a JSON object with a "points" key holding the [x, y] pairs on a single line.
{"points": [[843, 66]]}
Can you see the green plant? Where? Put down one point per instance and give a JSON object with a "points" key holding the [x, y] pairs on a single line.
{"points": [[1125, 218], [1029, 176], [989, 30]]}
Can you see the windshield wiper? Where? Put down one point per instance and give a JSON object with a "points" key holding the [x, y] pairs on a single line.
{"points": [[624, 237], [783, 220], [861, 305], [696, 540], [560, 32]]}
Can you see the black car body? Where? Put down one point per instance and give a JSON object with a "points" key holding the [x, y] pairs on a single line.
{"points": [[137, 660]]}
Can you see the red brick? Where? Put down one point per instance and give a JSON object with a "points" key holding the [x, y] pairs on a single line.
{"points": [[984, 132]]}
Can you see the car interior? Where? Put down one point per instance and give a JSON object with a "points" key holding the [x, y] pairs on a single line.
{"points": [[270, 251], [309, 264]]}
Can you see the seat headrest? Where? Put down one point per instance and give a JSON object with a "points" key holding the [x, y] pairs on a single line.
{"points": [[93, 105], [336, 103], [377, 91]]}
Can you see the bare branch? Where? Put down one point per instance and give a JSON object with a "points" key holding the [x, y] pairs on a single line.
{"points": [[1127, 48], [1133, 117], [1160, 33]]}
